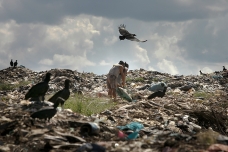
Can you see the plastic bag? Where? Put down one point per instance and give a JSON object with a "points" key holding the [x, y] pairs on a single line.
{"points": [[157, 87]]}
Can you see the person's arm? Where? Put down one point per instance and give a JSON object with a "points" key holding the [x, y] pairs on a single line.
{"points": [[122, 75]]}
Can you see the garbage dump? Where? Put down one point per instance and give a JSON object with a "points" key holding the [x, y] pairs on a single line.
{"points": [[191, 115]]}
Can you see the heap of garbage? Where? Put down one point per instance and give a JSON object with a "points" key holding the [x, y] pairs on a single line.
{"points": [[191, 116]]}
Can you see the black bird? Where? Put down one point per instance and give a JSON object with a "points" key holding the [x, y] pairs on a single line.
{"points": [[64, 93], [15, 63], [126, 35], [47, 113], [39, 89], [224, 69], [157, 94], [11, 63]]}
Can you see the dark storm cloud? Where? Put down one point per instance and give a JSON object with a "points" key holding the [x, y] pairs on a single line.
{"points": [[52, 11], [205, 41]]}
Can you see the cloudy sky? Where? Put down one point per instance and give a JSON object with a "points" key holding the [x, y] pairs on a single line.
{"points": [[184, 36]]}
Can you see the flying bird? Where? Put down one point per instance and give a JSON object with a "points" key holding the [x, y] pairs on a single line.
{"points": [[126, 35], [64, 93], [39, 89], [11, 62]]}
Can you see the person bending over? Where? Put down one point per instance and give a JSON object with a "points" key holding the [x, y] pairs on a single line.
{"points": [[112, 78]]}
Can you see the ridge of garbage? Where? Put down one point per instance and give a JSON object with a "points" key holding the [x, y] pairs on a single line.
{"points": [[191, 116]]}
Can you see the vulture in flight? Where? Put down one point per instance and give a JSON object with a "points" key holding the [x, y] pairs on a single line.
{"points": [[126, 35]]}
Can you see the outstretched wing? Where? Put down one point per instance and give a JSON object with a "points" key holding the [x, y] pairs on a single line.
{"points": [[123, 31], [132, 38]]}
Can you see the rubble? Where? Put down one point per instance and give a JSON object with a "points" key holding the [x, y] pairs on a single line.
{"points": [[191, 116]]}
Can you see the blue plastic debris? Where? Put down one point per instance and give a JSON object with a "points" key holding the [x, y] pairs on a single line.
{"points": [[135, 126], [123, 94], [133, 135], [157, 87]]}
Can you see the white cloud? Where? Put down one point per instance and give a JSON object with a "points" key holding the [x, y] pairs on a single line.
{"points": [[151, 68], [110, 40], [69, 61], [46, 62], [104, 63], [141, 55], [166, 46], [167, 67], [207, 70]]}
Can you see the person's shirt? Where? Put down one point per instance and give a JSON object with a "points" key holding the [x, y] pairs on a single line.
{"points": [[115, 70], [119, 78]]}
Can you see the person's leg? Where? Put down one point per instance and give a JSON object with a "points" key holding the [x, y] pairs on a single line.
{"points": [[116, 84], [112, 81], [109, 86], [109, 89], [114, 94]]}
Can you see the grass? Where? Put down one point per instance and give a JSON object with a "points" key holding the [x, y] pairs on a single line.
{"points": [[7, 86], [87, 105], [205, 95], [207, 138], [138, 79], [4, 98]]}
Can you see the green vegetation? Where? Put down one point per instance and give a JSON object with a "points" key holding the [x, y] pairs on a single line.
{"points": [[4, 98], [7, 86], [155, 79], [207, 138], [138, 79], [88, 105], [205, 95]]}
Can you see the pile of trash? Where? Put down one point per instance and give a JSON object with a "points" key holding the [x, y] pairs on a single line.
{"points": [[191, 116]]}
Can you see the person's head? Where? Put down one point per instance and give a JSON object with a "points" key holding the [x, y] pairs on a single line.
{"points": [[126, 65], [121, 63]]}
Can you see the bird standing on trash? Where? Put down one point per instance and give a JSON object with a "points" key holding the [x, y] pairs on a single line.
{"points": [[64, 93], [47, 113], [15, 63], [126, 35], [11, 63], [224, 69], [39, 90], [160, 94]]}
